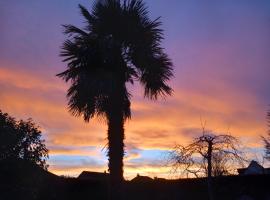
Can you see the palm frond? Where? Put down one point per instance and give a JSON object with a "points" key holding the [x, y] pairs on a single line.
{"points": [[70, 30], [86, 14]]}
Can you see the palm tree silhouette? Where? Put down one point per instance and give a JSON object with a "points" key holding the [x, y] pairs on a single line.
{"points": [[118, 45]]}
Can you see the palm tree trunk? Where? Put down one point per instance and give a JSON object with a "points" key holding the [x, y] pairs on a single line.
{"points": [[115, 151]]}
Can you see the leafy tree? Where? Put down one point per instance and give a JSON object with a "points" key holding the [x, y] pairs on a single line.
{"points": [[21, 140], [208, 155], [118, 45]]}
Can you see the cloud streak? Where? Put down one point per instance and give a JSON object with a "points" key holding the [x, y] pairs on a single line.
{"points": [[220, 52]]}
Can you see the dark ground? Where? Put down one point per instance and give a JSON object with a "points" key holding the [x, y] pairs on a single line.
{"points": [[24, 181]]}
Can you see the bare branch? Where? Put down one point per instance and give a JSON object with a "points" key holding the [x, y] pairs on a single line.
{"points": [[193, 158]]}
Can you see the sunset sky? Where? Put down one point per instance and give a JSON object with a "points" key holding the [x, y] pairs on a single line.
{"points": [[220, 51]]}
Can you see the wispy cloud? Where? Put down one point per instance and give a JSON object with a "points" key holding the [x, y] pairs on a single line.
{"points": [[220, 52]]}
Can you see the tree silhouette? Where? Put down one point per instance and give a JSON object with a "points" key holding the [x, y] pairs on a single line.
{"points": [[118, 45], [267, 139], [21, 140], [207, 154]]}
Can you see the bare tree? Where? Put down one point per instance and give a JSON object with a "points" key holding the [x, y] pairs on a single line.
{"points": [[221, 164], [267, 147], [207, 155], [267, 140]]}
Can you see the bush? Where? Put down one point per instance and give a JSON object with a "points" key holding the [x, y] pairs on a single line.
{"points": [[21, 140]]}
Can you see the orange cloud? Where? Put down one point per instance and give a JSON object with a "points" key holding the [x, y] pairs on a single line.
{"points": [[154, 125], [29, 80]]}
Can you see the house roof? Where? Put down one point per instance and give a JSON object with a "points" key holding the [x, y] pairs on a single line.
{"points": [[139, 178], [253, 163], [253, 168], [93, 175]]}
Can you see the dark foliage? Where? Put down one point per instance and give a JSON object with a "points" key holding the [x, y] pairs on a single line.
{"points": [[29, 182], [21, 140]]}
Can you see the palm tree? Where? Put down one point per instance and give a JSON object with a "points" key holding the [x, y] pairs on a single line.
{"points": [[118, 45]]}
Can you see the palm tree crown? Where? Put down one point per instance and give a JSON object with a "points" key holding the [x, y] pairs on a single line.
{"points": [[119, 44]]}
